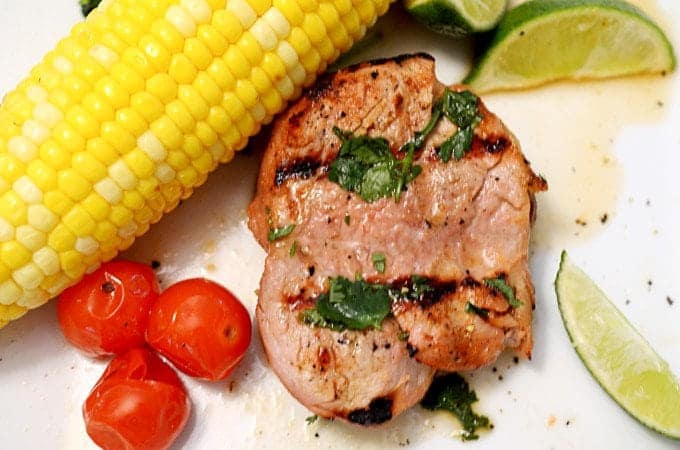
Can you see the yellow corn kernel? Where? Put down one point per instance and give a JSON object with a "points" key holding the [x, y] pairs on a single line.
{"points": [[117, 136], [14, 255], [95, 205], [250, 48], [10, 167], [112, 92], [272, 101], [208, 89], [72, 264], [220, 73], [79, 221], [148, 106], [187, 176], [120, 216], [139, 163], [167, 132], [299, 40], [237, 62], [98, 106], [88, 166], [182, 70], [192, 146], [133, 200], [205, 133], [73, 184], [83, 122], [86, 245], [228, 25], [12, 208], [138, 61], [158, 55], [132, 121], [193, 101], [128, 79], [168, 35], [163, 87], [102, 150], [218, 119], [57, 202], [273, 66], [106, 234], [233, 105], [148, 188], [212, 38], [198, 53], [177, 159], [246, 92], [314, 28]]}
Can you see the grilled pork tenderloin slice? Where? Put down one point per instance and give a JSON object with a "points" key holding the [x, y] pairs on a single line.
{"points": [[461, 225]]}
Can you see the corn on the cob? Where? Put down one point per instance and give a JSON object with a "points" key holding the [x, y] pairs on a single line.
{"points": [[130, 113]]}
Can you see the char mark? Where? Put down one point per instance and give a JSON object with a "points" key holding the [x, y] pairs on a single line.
{"points": [[297, 170], [497, 145], [378, 411], [399, 59], [424, 291]]}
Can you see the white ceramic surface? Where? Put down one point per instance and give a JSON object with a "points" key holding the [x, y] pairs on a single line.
{"points": [[608, 147]]}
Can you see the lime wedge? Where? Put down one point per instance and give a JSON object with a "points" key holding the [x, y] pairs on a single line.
{"points": [[617, 356], [457, 18], [546, 40]]}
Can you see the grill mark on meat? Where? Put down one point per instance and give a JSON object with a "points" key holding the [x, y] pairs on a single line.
{"points": [[495, 145], [298, 170], [378, 411]]}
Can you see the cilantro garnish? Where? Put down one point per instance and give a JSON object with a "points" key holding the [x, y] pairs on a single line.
{"points": [[350, 305], [504, 288], [452, 393], [281, 232], [461, 108], [366, 165]]}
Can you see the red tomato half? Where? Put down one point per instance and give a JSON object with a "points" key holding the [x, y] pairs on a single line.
{"points": [[107, 311], [201, 327], [139, 403]]}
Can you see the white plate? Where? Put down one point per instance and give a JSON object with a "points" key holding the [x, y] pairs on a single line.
{"points": [[609, 147]]}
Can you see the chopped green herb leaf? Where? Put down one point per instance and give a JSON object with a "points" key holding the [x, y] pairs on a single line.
{"points": [[366, 165], [278, 233], [504, 288], [457, 145], [350, 305], [313, 318], [481, 312], [379, 260], [293, 249], [403, 336], [452, 393], [86, 6], [347, 219], [461, 108], [311, 419]]}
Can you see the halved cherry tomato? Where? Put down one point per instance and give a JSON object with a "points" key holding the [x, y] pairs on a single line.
{"points": [[139, 403], [201, 327], [108, 310]]}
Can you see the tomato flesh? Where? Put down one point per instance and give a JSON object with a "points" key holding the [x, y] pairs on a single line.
{"points": [[107, 312], [201, 327], [139, 403]]}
